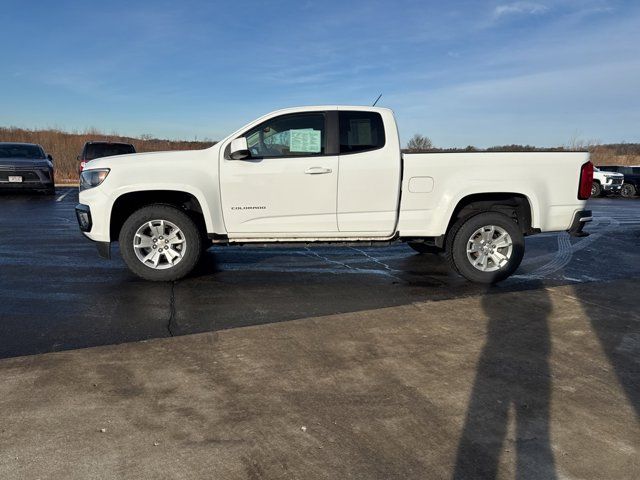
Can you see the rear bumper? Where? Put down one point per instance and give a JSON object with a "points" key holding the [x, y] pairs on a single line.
{"points": [[580, 219]]}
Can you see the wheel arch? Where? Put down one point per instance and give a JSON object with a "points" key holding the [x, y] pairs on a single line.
{"points": [[515, 205], [128, 202]]}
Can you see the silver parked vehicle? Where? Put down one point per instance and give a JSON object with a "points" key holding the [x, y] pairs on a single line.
{"points": [[26, 166]]}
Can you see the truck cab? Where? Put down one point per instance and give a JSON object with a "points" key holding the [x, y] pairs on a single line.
{"points": [[329, 174], [320, 173]]}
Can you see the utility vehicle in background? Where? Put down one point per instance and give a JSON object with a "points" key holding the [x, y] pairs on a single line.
{"points": [[605, 182], [93, 150]]}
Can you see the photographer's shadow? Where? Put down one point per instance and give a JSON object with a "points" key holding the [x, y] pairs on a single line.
{"points": [[512, 380]]}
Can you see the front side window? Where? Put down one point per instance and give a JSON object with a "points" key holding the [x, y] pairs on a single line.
{"points": [[360, 131], [296, 135]]}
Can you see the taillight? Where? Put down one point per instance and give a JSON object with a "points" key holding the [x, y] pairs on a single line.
{"points": [[586, 181], [82, 164]]}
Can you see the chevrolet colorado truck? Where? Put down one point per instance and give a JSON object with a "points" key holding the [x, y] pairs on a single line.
{"points": [[329, 174]]}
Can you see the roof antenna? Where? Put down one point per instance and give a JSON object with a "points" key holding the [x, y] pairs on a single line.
{"points": [[374, 103]]}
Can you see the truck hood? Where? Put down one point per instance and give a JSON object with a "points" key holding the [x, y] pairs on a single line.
{"points": [[24, 162], [142, 159]]}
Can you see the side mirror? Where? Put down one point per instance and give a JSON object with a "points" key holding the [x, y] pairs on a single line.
{"points": [[239, 149], [50, 157]]}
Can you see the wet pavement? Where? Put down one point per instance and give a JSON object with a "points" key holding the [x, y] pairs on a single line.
{"points": [[57, 294]]}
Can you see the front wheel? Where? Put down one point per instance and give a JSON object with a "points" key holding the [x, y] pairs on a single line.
{"points": [[628, 190], [160, 243], [596, 189], [486, 248]]}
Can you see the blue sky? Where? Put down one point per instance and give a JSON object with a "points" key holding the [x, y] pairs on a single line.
{"points": [[462, 72]]}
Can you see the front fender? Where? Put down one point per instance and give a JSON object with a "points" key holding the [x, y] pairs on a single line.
{"points": [[198, 193]]}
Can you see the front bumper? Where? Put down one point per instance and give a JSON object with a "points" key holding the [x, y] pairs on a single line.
{"points": [[83, 215], [85, 222], [580, 218], [31, 178], [612, 187]]}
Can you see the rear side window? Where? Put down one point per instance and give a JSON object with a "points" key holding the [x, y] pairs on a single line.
{"points": [[99, 150], [360, 131]]}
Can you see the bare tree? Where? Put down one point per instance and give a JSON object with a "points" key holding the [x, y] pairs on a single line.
{"points": [[419, 143]]}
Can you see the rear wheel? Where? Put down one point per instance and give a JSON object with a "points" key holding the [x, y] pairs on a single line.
{"points": [[160, 243], [628, 190], [485, 248], [596, 189]]}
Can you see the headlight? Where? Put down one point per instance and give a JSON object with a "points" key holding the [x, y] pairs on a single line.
{"points": [[92, 178]]}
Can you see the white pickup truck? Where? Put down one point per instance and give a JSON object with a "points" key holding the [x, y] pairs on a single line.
{"points": [[329, 174], [606, 182]]}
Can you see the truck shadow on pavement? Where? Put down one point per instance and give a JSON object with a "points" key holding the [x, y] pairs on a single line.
{"points": [[512, 379]]}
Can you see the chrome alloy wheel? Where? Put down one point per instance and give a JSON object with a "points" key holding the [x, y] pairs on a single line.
{"points": [[489, 248], [159, 244]]}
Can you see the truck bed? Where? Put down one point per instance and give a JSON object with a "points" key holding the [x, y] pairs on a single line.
{"points": [[434, 183]]}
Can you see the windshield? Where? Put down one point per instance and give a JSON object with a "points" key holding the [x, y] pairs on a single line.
{"points": [[99, 150], [626, 170], [16, 150]]}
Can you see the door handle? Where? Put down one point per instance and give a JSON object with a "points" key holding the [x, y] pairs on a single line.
{"points": [[317, 170]]}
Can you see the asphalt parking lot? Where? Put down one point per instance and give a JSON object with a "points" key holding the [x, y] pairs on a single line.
{"points": [[359, 363], [57, 294]]}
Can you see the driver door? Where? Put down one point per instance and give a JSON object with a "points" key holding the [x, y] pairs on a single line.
{"points": [[288, 186]]}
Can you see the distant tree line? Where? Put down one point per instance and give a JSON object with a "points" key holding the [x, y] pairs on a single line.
{"points": [[66, 146], [601, 154]]}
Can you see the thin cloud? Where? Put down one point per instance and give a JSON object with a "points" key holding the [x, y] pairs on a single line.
{"points": [[520, 8]]}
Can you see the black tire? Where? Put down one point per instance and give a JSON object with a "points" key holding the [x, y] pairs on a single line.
{"points": [[461, 233], [628, 190], [192, 240], [421, 248], [596, 189], [50, 191]]}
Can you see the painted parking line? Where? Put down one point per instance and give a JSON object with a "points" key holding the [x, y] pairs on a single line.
{"points": [[65, 194], [61, 197]]}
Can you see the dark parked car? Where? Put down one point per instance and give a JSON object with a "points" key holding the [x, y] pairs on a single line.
{"points": [[94, 150], [25, 166], [631, 186]]}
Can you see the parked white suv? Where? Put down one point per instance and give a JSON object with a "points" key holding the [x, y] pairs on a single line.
{"points": [[330, 174], [606, 182]]}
